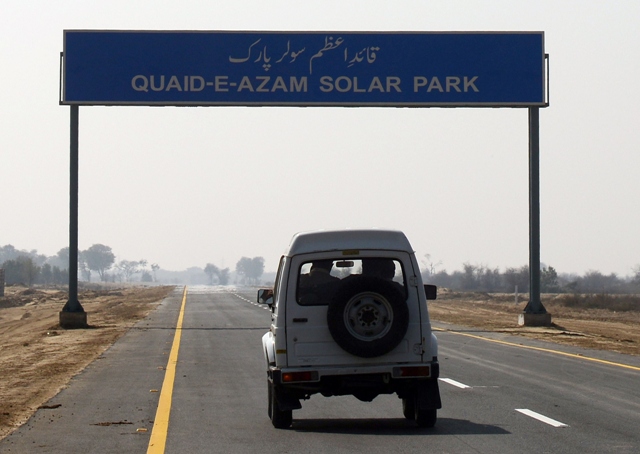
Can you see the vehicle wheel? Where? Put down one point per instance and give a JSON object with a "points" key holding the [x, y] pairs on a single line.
{"points": [[409, 407], [426, 418], [281, 419], [368, 316]]}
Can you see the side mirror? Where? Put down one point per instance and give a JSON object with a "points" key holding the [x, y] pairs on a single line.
{"points": [[431, 291], [265, 296]]}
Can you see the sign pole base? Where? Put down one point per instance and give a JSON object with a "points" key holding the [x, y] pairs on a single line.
{"points": [[73, 320], [527, 319]]}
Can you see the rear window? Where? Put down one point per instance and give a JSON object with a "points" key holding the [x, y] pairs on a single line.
{"points": [[318, 280]]}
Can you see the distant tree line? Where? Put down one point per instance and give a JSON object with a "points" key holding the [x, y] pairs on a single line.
{"points": [[99, 261], [102, 260], [30, 268], [480, 278]]}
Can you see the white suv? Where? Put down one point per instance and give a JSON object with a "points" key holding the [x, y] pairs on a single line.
{"points": [[349, 317]]}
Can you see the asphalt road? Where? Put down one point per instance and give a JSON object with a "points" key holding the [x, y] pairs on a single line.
{"points": [[500, 393]]}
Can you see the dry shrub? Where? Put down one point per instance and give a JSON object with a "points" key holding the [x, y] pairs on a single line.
{"points": [[615, 303]]}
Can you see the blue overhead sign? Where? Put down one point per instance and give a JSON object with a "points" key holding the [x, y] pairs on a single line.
{"points": [[261, 68]]}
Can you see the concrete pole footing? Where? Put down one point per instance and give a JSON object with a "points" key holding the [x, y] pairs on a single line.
{"points": [[526, 319], [73, 320]]}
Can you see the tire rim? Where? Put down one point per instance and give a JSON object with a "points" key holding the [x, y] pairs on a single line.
{"points": [[368, 316]]}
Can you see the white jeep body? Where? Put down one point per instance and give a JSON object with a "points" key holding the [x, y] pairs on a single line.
{"points": [[356, 333]]}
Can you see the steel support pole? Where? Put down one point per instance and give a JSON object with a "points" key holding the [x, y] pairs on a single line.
{"points": [[535, 305], [73, 305]]}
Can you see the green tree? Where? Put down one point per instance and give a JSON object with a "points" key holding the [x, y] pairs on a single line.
{"points": [[257, 268], [223, 276], [250, 269], [8, 252], [549, 280], [99, 258], [60, 276], [84, 269], [130, 267], [243, 268], [517, 277], [211, 270], [21, 270], [46, 274], [61, 259], [469, 279]]}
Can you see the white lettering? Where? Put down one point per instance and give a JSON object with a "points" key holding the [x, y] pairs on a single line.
{"points": [[344, 88], [153, 85], [174, 83], [470, 83], [345, 84], [376, 85], [393, 82], [298, 86], [140, 83], [435, 85], [261, 88], [192, 85], [221, 83], [245, 83], [326, 84], [453, 82], [355, 86], [419, 81], [279, 85]]}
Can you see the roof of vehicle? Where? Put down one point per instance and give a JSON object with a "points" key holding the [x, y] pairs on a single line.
{"points": [[340, 240]]}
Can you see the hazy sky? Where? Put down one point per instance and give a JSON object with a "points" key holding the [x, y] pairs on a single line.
{"points": [[185, 186]]}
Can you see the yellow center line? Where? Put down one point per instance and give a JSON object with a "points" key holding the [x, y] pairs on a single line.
{"points": [[158, 439], [557, 352]]}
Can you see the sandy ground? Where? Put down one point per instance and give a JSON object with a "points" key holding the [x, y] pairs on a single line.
{"points": [[37, 358], [590, 328]]}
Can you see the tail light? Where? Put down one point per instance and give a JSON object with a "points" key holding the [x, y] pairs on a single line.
{"points": [[409, 372], [294, 377]]}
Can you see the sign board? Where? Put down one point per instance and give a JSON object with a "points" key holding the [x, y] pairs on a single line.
{"points": [[262, 68]]}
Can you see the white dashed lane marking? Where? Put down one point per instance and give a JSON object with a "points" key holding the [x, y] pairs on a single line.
{"points": [[524, 411], [454, 383], [253, 303], [539, 417]]}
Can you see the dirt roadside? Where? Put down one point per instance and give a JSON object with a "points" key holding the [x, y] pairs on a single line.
{"points": [[600, 329], [37, 358]]}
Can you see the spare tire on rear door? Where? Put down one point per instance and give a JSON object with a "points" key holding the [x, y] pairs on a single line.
{"points": [[368, 316]]}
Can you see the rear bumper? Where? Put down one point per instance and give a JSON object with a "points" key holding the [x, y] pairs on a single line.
{"points": [[363, 382], [394, 371]]}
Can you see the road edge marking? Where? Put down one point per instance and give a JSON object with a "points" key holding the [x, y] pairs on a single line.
{"points": [[158, 439], [548, 350]]}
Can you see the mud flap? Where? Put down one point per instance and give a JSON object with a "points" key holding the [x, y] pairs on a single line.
{"points": [[428, 397], [287, 402]]}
